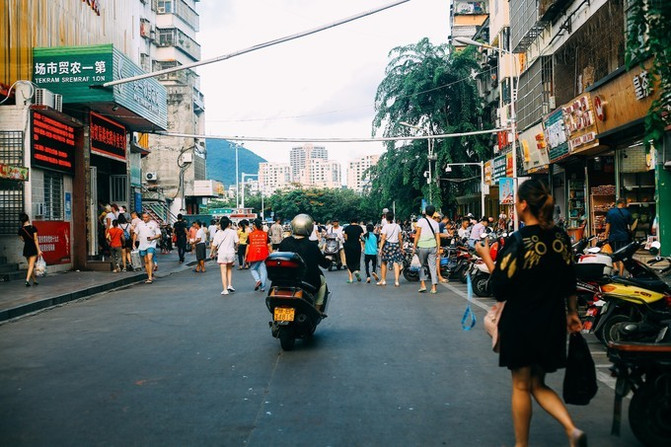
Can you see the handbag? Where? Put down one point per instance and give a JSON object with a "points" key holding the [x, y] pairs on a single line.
{"points": [[40, 267], [491, 323], [415, 264], [580, 378]]}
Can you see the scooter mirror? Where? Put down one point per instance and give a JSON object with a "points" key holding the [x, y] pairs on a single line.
{"points": [[654, 248]]}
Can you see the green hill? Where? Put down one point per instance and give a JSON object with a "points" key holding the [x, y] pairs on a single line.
{"points": [[221, 161]]}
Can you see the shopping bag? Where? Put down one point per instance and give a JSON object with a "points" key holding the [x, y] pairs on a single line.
{"points": [[414, 263], [491, 323], [136, 260], [580, 378], [40, 267]]}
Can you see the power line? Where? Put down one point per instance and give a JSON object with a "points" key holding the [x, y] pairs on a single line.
{"points": [[255, 47]]}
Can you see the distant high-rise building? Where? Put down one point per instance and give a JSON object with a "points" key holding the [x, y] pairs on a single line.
{"points": [[466, 17], [273, 177], [298, 159], [324, 173], [357, 178]]}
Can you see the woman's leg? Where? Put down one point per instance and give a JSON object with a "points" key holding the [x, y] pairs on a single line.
{"points": [[367, 260], [521, 405], [431, 260], [422, 254], [550, 401], [397, 272], [124, 255], [229, 275], [383, 271], [224, 275], [30, 273]]}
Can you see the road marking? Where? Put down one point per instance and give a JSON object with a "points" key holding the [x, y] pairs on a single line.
{"points": [[465, 296]]}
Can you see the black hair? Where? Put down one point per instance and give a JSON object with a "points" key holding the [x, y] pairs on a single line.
{"points": [[179, 216], [122, 219], [225, 222], [540, 201], [258, 223], [430, 210], [115, 223], [390, 216], [23, 217]]}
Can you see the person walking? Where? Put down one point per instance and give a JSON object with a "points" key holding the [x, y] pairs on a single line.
{"points": [[370, 252], [224, 245], [276, 233], [127, 247], [337, 230], [426, 245], [116, 241], [391, 249], [536, 278], [147, 232], [212, 230], [242, 246], [477, 231], [619, 225], [200, 244], [353, 247], [258, 250], [31, 246], [181, 234]]}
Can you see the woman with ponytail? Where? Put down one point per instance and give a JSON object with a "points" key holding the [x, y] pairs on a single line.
{"points": [[536, 278]]}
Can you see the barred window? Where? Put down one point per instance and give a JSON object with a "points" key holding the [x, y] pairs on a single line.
{"points": [[11, 191], [53, 196]]}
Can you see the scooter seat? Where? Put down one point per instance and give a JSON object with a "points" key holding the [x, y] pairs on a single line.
{"points": [[656, 285]]}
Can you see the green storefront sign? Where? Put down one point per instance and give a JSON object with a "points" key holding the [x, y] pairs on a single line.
{"points": [[78, 73]]}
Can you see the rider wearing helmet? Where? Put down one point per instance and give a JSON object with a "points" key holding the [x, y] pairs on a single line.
{"points": [[301, 228]]}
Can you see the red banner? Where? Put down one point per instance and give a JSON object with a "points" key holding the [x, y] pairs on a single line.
{"points": [[54, 239]]}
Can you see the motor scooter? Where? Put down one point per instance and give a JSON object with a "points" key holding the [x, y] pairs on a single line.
{"points": [[332, 251], [291, 300]]}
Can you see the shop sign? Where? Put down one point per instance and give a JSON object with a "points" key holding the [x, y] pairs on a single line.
{"points": [[642, 87], [506, 189], [509, 164], [599, 108], [107, 137], [555, 136], [583, 139], [14, 172], [73, 71], [68, 206], [53, 144], [502, 137], [499, 168], [54, 239], [135, 169], [534, 148], [488, 173], [204, 188]]}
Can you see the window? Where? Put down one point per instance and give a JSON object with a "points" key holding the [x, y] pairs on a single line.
{"points": [[53, 196], [11, 191]]}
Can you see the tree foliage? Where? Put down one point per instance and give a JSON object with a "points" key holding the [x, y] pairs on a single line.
{"points": [[649, 28], [432, 87], [321, 204]]}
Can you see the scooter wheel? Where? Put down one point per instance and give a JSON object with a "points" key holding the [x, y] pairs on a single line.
{"points": [[287, 339], [481, 285], [650, 410], [610, 330]]}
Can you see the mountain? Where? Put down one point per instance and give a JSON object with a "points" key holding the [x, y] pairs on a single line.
{"points": [[221, 161]]}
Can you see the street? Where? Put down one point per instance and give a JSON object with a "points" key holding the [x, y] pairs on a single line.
{"points": [[176, 363]]}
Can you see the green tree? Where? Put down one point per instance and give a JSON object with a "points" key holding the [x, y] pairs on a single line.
{"points": [[321, 204], [649, 28], [433, 87]]}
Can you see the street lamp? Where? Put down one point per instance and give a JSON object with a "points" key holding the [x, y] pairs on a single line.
{"points": [[513, 116], [431, 157], [448, 168], [237, 176]]}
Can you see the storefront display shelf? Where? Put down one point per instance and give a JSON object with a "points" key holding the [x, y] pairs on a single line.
{"points": [[630, 187], [640, 203]]}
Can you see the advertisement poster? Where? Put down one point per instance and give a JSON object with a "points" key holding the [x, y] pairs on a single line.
{"points": [[506, 187], [54, 239], [68, 206]]}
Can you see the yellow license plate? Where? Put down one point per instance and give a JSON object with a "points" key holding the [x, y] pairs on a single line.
{"points": [[284, 313]]}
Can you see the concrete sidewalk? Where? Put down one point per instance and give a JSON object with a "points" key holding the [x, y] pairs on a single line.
{"points": [[16, 299]]}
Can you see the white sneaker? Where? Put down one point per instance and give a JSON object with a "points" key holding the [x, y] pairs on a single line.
{"points": [[231, 289], [224, 292]]}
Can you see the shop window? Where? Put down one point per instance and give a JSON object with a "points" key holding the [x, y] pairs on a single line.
{"points": [[11, 191], [118, 189], [53, 196]]}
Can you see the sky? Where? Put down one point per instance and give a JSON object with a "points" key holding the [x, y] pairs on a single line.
{"points": [[319, 86]]}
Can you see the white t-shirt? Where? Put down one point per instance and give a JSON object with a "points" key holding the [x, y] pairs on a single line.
{"points": [[225, 241], [200, 234], [145, 230], [477, 231], [391, 231], [463, 232], [384, 222], [315, 234], [338, 232], [212, 229], [427, 236]]}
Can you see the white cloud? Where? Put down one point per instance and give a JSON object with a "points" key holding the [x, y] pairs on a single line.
{"points": [[321, 85]]}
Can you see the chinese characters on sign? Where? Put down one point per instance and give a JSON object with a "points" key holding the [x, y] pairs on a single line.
{"points": [[107, 137], [642, 87], [53, 144], [54, 238], [555, 136], [14, 172], [70, 71]]}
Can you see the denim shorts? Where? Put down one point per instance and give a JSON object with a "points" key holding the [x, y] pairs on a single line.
{"points": [[149, 250]]}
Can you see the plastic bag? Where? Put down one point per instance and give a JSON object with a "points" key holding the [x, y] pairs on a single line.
{"points": [[415, 264], [40, 267], [580, 379]]}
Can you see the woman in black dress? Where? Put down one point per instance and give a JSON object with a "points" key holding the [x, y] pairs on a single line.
{"points": [[352, 248], [31, 247], [536, 279]]}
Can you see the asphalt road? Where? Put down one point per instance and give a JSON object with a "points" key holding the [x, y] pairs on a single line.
{"points": [[176, 363]]}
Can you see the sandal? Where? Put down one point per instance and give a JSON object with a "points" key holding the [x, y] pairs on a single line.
{"points": [[381, 283], [422, 290], [149, 281], [349, 281], [397, 284]]}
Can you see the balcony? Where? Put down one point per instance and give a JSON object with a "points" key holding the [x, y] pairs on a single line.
{"points": [[198, 101], [172, 37], [470, 7], [181, 10], [528, 18]]}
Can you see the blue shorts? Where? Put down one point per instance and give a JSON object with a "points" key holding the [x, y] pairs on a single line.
{"points": [[149, 250]]}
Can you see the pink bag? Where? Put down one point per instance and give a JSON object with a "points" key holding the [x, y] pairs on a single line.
{"points": [[491, 323]]}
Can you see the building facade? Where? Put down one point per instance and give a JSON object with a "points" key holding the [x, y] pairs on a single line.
{"points": [[274, 177], [357, 172], [466, 18]]}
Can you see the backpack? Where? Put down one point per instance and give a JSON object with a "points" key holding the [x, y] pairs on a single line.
{"points": [[126, 233]]}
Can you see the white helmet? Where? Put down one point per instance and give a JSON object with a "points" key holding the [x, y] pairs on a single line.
{"points": [[302, 225]]}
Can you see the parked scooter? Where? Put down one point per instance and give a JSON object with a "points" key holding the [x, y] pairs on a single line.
{"points": [[291, 300], [644, 369], [480, 274], [332, 251]]}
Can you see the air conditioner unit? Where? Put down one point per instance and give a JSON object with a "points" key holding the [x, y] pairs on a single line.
{"points": [[150, 176], [161, 9], [44, 97], [38, 209], [58, 102]]}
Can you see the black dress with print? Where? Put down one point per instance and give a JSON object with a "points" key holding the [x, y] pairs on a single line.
{"points": [[534, 279], [28, 234]]}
